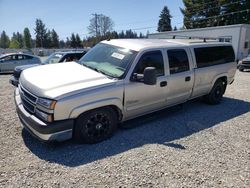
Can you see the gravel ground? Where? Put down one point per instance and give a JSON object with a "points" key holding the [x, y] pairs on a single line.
{"points": [[194, 146]]}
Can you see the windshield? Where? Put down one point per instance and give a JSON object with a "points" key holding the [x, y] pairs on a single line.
{"points": [[53, 58], [109, 60]]}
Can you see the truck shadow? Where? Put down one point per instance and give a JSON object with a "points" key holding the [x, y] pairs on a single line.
{"points": [[164, 127]]}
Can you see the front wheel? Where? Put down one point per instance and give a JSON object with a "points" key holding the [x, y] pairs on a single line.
{"points": [[216, 94], [95, 126]]}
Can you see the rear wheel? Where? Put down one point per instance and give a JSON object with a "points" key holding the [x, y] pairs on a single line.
{"points": [[95, 126], [216, 94]]}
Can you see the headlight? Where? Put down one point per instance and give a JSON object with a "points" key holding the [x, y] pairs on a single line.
{"points": [[47, 103], [44, 116]]}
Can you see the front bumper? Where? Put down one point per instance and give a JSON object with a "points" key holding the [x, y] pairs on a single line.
{"points": [[56, 131], [14, 81]]}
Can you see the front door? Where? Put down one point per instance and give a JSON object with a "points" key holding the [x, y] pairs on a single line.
{"points": [[141, 98]]}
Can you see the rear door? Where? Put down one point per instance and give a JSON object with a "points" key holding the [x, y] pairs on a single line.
{"points": [[180, 75]]}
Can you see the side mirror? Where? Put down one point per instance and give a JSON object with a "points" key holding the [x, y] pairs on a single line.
{"points": [[149, 76]]}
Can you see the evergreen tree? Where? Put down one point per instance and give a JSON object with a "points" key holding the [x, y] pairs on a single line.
{"points": [[62, 44], [73, 41], [27, 38], [78, 41], [54, 39], [20, 39], [41, 33], [48, 40], [67, 43], [199, 13], [4, 40], [164, 23]]}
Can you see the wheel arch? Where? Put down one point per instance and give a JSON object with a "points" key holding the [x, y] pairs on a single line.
{"points": [[115, 104]]}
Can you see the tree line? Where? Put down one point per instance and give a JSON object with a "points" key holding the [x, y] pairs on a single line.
{"points": [[100, 28], [197, 14]]}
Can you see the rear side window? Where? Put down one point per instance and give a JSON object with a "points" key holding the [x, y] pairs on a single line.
{"points": [[209, 56], [178, 61], [151, 59]]}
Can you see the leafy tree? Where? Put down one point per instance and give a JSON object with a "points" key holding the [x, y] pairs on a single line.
{"points": [[14, 44], [27, 38], [4, 40], [100, 25], [164, 23], [78, 41], [41, 33]]}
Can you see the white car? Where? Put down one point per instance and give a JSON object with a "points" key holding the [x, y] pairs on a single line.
{"points": [[8, 62]]}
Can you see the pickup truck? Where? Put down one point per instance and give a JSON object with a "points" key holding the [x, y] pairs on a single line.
{"points": [[118, 80]]}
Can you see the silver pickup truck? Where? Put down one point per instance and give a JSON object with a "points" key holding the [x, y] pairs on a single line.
{"points": [[118, 80]]}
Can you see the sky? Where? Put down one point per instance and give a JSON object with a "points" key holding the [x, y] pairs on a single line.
{"points": [[72, 16]]}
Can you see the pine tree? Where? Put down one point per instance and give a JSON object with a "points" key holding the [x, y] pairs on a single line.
{"points": [[4, 40], [41, 33], [20, 39], [73, 41], [164, 23], [27, 38], [199, 13], [78, 41], [54, 39]]}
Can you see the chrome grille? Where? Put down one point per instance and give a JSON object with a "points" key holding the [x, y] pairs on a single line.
{"points": [[29, 100]]}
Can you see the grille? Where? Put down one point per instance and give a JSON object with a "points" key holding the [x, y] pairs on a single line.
{"points": [[28, 100]]}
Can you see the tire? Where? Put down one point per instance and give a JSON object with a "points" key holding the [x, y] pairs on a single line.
{"points": [[95, 126], [241, 69], [216, 93]]}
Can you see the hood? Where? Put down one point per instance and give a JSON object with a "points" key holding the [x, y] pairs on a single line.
{"points": [[19, 69], [54, 80]]}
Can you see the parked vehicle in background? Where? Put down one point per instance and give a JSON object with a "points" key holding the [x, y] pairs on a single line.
{"points": [[118, 80], [57, 57], [8, 62], [244, 63]]}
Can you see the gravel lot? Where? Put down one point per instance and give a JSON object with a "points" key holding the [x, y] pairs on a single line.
{"points": [[194, 146]]}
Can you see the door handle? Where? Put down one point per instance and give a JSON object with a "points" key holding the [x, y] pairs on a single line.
{"points": [[163, 83], [188, 78]]}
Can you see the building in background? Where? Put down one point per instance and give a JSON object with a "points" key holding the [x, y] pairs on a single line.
{"points": [[238, 35]]}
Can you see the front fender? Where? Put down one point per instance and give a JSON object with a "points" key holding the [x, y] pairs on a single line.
{"points": [[95, 104]]}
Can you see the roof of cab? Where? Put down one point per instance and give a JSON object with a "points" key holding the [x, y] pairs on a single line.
{"points": [[139, 44]]}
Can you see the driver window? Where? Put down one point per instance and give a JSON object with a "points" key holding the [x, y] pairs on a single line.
{"points": [[151, 59]]}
